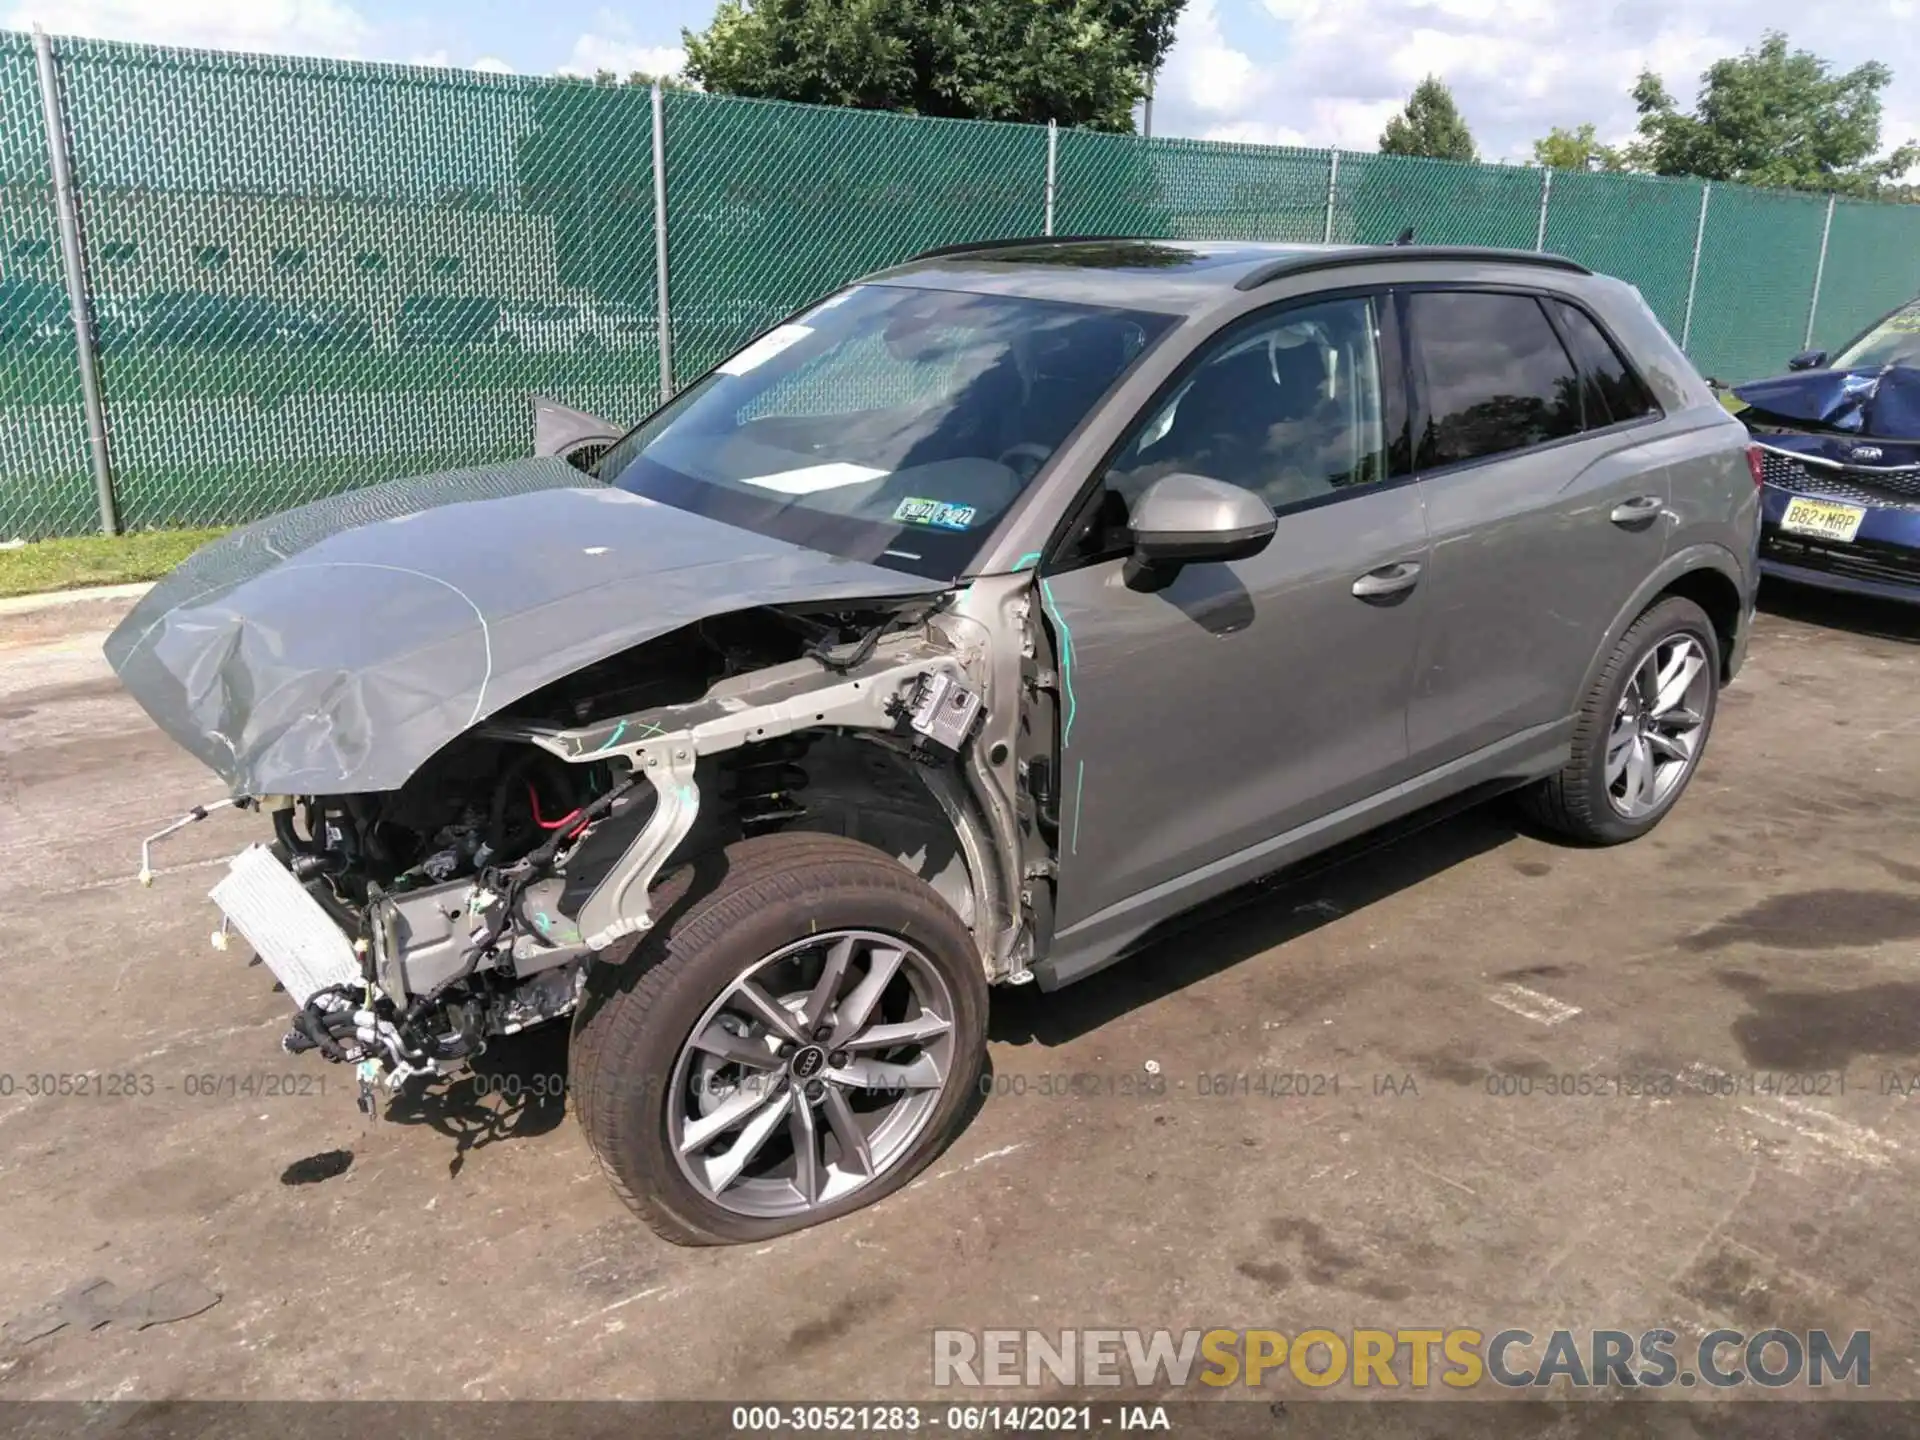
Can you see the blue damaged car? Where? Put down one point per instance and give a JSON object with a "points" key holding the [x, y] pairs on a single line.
{"points": [[1839, 443]]}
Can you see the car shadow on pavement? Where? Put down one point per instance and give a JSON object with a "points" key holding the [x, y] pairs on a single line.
{"points": [[1249, 921], [516, 1090], [1862, 614]]}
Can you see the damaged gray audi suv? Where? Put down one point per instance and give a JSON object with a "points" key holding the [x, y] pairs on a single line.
{"points": [[962, 630]]}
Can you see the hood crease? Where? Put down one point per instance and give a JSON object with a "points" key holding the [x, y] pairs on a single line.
{"points": [[334, 648]]}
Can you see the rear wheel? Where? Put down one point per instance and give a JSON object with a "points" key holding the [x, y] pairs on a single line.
{"points": [[1641, 731], [796, 1042]]}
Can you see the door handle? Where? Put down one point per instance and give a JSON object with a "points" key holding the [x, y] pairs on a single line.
{"points": [[1637, 511], [1388, 581]]}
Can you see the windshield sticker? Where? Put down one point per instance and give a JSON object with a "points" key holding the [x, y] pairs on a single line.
{"points": [[937, 513], [815, 478], [765, 348]]}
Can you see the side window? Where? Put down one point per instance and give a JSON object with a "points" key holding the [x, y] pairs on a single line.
{"points": [[1497, 377], [1613, 392], [1288, 407]]}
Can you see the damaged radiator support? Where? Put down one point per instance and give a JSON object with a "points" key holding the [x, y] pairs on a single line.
{"points": [[439, 967], [909, 680]]}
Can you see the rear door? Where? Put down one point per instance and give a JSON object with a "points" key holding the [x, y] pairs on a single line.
{"points": [[1543, 512]]}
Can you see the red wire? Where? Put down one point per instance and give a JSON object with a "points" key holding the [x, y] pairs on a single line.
{"points": [[533, 799]]}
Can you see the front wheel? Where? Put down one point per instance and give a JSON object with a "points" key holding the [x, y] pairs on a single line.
{"points": [[798, 1038], [1640, 732]]}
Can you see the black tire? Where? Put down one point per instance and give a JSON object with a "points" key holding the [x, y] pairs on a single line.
{"points": [[717, 918], [1574, 802]]}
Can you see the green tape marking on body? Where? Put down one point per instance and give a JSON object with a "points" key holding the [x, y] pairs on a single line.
{"points": [[1066, 662]]}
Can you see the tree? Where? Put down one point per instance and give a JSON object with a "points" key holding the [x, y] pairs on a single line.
{"points": [[1079, 62], [1773, 116], [1577, 150], [1430, 126]]}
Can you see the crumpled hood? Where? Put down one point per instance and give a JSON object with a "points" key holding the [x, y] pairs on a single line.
{"points": [[334, 648], [1845, 412]]}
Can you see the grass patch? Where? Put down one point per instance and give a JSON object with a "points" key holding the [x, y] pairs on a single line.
{"points": [[96, 560]]}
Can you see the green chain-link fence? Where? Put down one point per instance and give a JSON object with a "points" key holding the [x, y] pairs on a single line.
{"points": [[310, 275], [1190, 189], [1757, 258], [45, 487], [307, 276], [1869, 269], [1638, 228], [769, 205]]}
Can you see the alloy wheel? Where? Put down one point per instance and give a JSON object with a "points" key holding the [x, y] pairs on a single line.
{"points": [[812, 1074], [1657, 729]]}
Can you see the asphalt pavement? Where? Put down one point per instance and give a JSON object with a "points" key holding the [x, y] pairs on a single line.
{"points": [[1139, 1160]]}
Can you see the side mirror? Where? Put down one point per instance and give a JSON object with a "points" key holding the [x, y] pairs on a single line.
{"points": [[1193, 519], [1808, 360], [575, 436]]}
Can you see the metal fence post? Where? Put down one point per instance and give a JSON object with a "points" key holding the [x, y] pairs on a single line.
{"points": [[663, 320], [1546, 195], [73, 261], [1333, 188], [1053, 172], [1693, 275], [1819, 273]]}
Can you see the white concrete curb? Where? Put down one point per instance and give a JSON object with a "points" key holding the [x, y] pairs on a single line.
{"points": [[55, 599]]}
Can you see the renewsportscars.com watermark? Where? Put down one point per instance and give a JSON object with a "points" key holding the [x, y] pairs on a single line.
{"points": [[1458, 1359]]}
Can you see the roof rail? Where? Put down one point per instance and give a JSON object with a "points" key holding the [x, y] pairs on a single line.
{"points": [[1398, 254], [1014, 242]]}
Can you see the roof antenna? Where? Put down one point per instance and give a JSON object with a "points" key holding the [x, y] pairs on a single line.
{"points": [[1406, 236]]}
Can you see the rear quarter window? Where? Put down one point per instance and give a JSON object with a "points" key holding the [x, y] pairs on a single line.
{"points": [[1612, 391]]}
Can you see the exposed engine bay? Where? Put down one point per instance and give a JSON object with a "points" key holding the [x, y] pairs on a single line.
{"points": [[468, 903]]}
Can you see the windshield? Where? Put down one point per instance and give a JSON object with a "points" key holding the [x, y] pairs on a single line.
{"points": [[1894, 341], [887, 424]]}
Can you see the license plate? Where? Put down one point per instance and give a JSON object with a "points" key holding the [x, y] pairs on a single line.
{"points": [[1825, 519]]}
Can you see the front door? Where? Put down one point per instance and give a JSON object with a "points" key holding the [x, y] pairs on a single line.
{"points": [[1244, 699]]}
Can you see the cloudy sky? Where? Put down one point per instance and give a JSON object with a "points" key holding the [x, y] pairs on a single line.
{"points": [[1315, 72]]}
